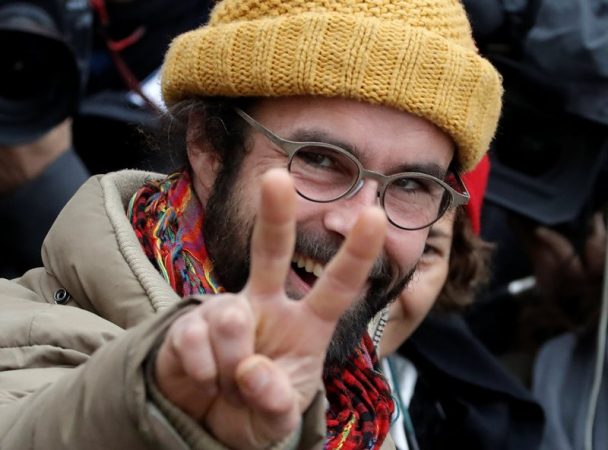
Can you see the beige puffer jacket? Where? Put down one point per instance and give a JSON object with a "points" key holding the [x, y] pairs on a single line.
{"points": [[71, 375]]}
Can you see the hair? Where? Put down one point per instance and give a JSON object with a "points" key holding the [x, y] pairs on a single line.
{"points": [[469, 266], [220, 128]]}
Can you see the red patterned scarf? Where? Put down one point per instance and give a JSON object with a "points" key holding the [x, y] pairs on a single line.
{"points": [[168, 221]]}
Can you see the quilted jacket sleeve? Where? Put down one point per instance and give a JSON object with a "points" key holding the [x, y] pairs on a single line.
{"points": [[71, 380]]}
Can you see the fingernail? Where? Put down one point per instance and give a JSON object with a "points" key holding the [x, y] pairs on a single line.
{"points": [[256, 377]]}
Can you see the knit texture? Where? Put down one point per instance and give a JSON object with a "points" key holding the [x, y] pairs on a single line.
{"points": [[413, 55]]}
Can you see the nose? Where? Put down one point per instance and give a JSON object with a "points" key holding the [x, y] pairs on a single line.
{"points": [[342, 214]]}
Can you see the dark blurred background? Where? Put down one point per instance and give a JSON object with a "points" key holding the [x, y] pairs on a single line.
{"points": [[79, 95]]}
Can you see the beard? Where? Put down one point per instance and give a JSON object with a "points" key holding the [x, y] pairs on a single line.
{"points": [[227, 233], [383, 287]]}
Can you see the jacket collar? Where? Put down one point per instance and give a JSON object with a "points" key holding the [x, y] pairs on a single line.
{"points": [[94, 253]]}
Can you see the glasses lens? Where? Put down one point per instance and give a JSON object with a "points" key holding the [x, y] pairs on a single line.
{"points": [[415, 202], [322, 173]]}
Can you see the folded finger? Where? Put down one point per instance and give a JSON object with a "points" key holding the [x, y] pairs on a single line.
{"points": [[191, 344], [185, 369], [231, 332]]}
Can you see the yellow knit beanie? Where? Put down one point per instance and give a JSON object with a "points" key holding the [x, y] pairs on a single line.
{"points": [[413, 55]]}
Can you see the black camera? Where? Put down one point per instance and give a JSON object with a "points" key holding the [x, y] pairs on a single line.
{"points": [[45, 51]]}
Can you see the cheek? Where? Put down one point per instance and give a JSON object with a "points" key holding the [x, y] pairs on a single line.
{"points": [[310, 214], [405, 314], [248, 185], [245, 197], [243, 205], [418, 299], [404, 248], [430, 282]]}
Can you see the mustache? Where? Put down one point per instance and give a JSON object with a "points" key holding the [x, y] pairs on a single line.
{"points": [[323, 247]]}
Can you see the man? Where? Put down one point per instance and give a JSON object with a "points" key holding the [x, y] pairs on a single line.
{"points": [[37, 178], [367, 110]]}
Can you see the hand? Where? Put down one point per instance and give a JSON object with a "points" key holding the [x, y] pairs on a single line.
{"points": [[24, 162], [247, 365], [559, 269]]}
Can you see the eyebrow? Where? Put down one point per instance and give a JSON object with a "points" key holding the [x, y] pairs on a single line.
{"points": [[434, 233], [319, 136]]}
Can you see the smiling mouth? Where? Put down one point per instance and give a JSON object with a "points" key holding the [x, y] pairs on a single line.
{"points": [[307, 269]]}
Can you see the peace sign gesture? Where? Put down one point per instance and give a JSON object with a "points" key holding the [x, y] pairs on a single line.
{"points": [[247, 365]]}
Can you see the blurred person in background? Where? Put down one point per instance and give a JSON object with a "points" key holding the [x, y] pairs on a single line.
{"points": [[450, 390], [570, 364], [326, 92], [546, 208], [122, 97], [36, 180], [44, 66], [72, 102], [548, 160]]}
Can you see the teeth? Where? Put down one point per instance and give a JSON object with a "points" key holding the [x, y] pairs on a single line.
{"points": [[309, 265], [318, 270]]}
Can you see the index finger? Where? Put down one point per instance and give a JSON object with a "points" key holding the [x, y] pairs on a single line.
{"points": [[343, 278], [273, 236]]}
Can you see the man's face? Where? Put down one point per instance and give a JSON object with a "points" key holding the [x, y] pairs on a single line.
{"points": [[384, 139]]}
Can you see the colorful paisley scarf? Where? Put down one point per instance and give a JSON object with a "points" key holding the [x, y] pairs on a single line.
{"points": [[168, 221]]}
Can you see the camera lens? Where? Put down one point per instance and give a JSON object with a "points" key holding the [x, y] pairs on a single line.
{"points": [[40, 77], [28, 73]]}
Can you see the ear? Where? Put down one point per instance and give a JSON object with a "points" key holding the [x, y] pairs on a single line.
{"points": [[204, 160]]}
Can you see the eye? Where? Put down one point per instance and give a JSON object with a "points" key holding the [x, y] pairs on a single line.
{"points": [[323, 159], [317, 157], [430, 256], [408, 184], [417, 185], [430, 250], [434, 251]]}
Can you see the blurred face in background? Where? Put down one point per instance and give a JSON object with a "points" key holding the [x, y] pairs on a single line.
{"points": [[414, 303]]}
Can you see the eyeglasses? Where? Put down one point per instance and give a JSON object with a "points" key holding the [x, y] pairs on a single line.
{"points": [[325, 173]]}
